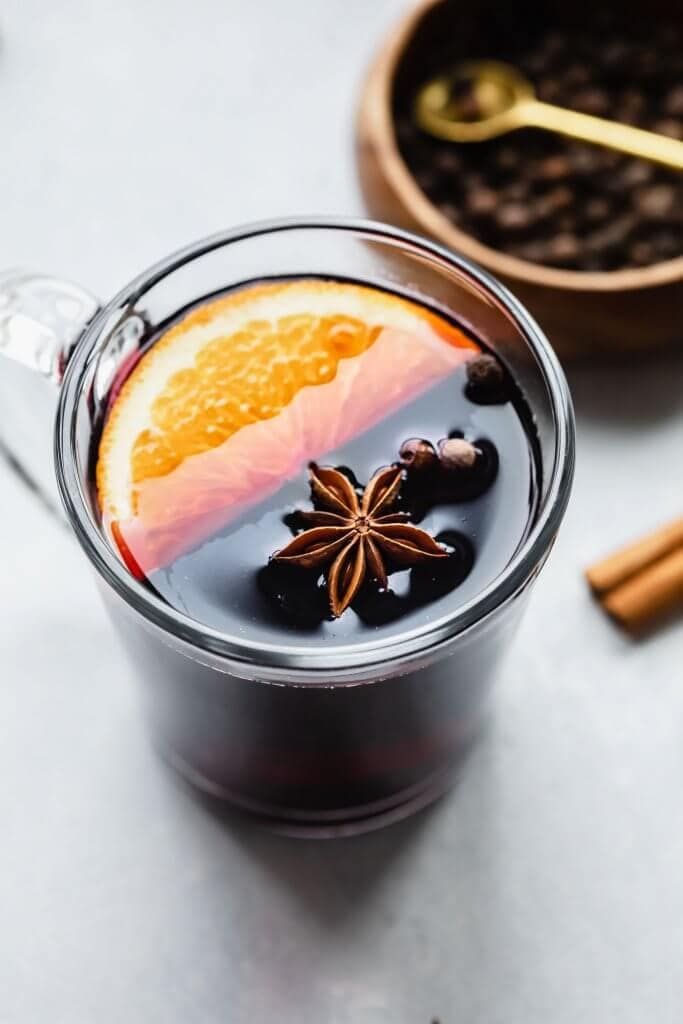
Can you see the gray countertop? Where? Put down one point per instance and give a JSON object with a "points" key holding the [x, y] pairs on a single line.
{"points": [[548, 886]]}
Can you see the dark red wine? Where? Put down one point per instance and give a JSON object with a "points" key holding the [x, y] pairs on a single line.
{"points": [[229, 583], [225, 576], [205, 485]]}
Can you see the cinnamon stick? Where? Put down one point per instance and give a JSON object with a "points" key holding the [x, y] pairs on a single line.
{"points": [[635, 558], [649, 595]]}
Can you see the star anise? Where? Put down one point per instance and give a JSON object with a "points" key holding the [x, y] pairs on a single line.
{"points": [[354, 536]]}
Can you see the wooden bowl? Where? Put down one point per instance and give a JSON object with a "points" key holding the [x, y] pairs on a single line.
{"points": [[583, 313]]}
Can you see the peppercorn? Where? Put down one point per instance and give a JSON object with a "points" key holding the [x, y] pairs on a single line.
{"points": [[486, 381], [457, 455], [418, 455]]}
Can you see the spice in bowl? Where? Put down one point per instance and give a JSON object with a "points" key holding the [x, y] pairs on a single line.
{"points": [[544, 198]]}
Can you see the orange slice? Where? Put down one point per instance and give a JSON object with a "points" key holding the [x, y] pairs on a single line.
{"points": [[244, 391]]}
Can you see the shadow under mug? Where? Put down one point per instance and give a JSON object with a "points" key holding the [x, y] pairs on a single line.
{"points": [[317, 740]]}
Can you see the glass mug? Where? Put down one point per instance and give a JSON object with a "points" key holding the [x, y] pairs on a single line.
{"points": [[319, 740]]}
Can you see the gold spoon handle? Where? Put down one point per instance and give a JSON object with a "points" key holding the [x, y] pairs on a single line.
{"points": [[532, 113]]}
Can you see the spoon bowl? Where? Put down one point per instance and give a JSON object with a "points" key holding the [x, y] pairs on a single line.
{"points": [[475, 102]]}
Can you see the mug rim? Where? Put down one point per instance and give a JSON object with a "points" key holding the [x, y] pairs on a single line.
{"points": [[278, 659]]}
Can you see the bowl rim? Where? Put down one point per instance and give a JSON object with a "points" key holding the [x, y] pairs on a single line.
{"points": [[376, 107]]}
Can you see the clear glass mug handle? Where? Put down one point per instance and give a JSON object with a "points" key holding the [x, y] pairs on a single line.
{"points": [[41, 320]]}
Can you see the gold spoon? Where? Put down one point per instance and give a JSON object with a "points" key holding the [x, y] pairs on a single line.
{"points": [[499, 99]]}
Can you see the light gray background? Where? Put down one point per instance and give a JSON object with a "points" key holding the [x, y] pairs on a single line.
{"points": [[548, 888]]}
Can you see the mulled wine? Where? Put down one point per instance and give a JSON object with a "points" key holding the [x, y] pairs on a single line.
{"points": [[316, 462]]}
